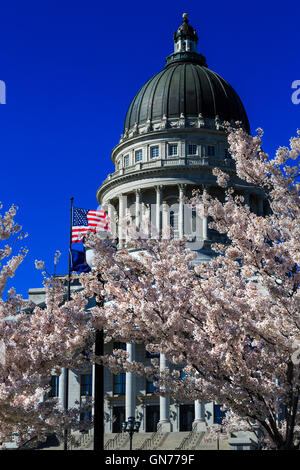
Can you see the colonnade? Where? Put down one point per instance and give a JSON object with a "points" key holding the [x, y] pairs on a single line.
{"points": [[160, 217], [164, 401]]}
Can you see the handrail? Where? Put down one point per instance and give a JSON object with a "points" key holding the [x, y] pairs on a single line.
{"points": [[114, 441], [147, 444], [187, 439]]}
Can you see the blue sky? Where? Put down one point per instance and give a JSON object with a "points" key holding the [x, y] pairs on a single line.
{"points": [[71, 69]]}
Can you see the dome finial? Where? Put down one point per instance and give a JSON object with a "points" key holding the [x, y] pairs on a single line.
{"points": [[185, 16]]}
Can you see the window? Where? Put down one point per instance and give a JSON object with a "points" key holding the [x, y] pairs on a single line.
{"points": [[85, 416], [183, 374], [126, 161], [172, 149], [54, 384], [227, 154], [210, 150], [219, 415], [192, 149], [86, 385], [151, 355], [119, 345], [119, 382], [174, 220], [149, 386], [138, 156], [154, 152]]}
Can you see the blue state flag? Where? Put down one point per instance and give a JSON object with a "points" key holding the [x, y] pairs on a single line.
{"points": [[79, 263]]}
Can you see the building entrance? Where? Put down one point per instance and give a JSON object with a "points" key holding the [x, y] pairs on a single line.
{"points": [[187, 416], [118, 418], [152, 417]]}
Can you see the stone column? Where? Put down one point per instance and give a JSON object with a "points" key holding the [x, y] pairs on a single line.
{"points": [[146, 219], [181, 211], [165, 220], [138, 208], [158, 209], [111, 215], [62, 387], [204, 220], [128, 219], [199, 422], [164, 403], [122, 221], [130, 391]]}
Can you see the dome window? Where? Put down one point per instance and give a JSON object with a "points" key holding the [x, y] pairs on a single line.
{"points": [[126, 161], [172, 150], [138, 156], [211, 151], [154, 152], [192, 149]]}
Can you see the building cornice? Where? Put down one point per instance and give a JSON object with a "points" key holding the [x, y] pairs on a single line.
{"points": [[168, 175]]}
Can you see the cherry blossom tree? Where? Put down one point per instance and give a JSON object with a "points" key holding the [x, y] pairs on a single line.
{"points": [[231, 324], [35, 343]]}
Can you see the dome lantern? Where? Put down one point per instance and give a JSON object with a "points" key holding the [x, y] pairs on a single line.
{"points": [[185, 38]]}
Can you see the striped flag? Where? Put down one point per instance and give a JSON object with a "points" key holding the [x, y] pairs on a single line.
{"points": [[86, 220]]}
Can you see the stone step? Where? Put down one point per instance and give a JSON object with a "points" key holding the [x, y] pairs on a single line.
{"points": [[172, 440], [213, 445], [137, 441]]}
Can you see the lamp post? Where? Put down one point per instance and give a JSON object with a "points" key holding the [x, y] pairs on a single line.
{"points": [[99, 378], [131, 426]]}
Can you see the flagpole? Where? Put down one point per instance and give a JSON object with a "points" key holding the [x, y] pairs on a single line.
{"points": [[70, 244], [66, 370]]}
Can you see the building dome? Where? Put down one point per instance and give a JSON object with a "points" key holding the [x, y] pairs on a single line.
{"points": [[185, 87]]}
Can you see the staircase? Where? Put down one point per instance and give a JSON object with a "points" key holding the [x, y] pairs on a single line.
{"points": [[153, 441], [192, 440], [143, 441], [116, 442]]}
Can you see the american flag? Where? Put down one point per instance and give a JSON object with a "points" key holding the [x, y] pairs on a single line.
{"points": [[86, 220]]}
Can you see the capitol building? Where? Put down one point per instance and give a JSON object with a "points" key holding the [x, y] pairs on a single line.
{"points": [[173, 138]]}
